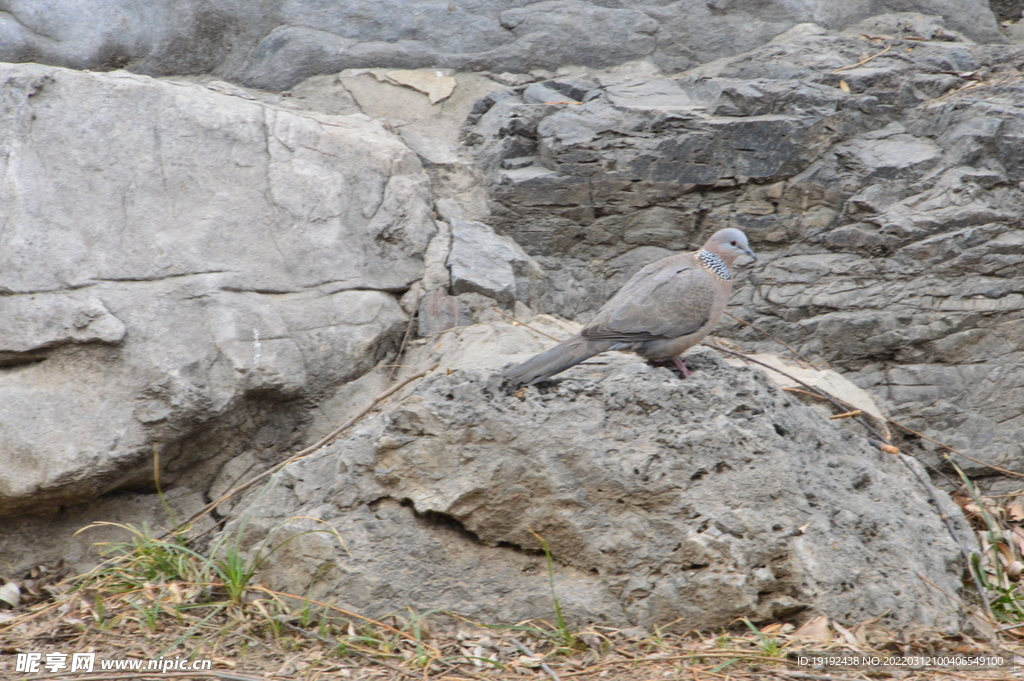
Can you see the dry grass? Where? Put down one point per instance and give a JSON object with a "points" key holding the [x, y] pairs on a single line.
{"points": [[158, 598]]}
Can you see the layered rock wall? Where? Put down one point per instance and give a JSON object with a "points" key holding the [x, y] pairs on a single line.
{"points": [[883, 200]]}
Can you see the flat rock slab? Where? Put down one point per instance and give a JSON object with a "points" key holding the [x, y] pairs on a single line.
{"points": [[697, 501]]}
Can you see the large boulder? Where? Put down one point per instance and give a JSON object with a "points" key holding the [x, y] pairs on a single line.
{"points": [[275, 46], [882, 198], [174, 261], [697, 501]]}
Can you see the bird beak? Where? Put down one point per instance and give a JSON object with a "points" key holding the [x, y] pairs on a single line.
{"points": [[750, 253]]}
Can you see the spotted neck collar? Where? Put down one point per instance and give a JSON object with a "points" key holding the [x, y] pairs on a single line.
{"points": [[714, 264]]}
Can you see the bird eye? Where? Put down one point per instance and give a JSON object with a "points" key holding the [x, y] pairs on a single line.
{"points": [[732, 243]]}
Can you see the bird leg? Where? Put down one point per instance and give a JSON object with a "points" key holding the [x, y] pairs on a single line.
{"points": [[675, 363]]}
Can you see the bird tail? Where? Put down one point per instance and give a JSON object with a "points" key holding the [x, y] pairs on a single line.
{"points": [[566, 354]]}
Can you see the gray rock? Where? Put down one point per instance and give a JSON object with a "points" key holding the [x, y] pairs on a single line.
{"points": [[276, 46], [483, 262], [439, 312], [32, 540], [643, 143], [889, 153], [175, 261], [694, 501], [47, 320]]}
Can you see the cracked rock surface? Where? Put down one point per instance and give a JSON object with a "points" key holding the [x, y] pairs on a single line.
{"points": [[171, 257], [883, 200], [706, 499]]}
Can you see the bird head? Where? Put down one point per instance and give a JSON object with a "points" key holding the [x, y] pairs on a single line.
{"points": [[729, 244]]}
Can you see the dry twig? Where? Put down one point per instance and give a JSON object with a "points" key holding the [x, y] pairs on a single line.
{"points": [[757, 328], [524, 324], [863, 61], [326, 439]]}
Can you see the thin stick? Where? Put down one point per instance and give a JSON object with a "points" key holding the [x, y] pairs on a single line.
{"points": [[863, 61], [525, 324], [301, 454], [884, 446], [836, 403], [804, 392], [543, 665], [910, 430], [401, 348], [780, 342], [938, 588], [846, 415], [982, 594]]}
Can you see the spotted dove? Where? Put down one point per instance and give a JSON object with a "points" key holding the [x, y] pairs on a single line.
{"points": [[663, 310]]}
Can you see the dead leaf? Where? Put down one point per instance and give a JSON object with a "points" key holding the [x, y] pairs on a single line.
{"points": [[634, 633], [846, 634], [1005, 553], [816, 629], [531, 662], [1015, 512], [10, 594], [1018, 538], [860, 632], [844, 86], [960, 499], [177, 596]]}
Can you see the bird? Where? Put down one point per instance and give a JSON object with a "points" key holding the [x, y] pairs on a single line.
{"points": [[663, 310]]}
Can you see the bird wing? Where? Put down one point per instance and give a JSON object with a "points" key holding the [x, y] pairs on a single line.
{"points": [[667, 299]]}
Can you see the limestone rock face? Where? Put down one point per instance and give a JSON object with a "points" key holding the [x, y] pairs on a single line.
{"points": [[277, 45], [173, 258], [883, 201], [707, 499]]}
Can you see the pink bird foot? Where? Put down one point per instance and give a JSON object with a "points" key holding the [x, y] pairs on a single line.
{"points": [[683, 369], [676, 363]]}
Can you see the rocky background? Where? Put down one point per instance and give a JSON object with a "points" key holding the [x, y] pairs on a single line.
{"points": [[224, 226]]}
